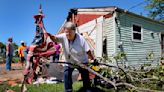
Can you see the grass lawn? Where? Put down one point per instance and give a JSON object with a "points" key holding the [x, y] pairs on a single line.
{"points": [[77, 87]]}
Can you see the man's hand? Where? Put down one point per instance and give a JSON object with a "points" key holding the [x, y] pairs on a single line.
{"points": [[52, 37], [95, 62]]}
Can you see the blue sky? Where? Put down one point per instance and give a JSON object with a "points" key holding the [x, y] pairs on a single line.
{"points": [[16, 16]]}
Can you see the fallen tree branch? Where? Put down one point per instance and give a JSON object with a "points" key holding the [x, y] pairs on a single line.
{"points": [[137, 88], [148, 79], [116, 67], [138, 72], [90, 70], [125, 84], [115, 85]]}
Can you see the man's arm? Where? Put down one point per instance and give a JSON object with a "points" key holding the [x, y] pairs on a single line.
{"points": [[88, 50], [7, 49], [19, 51], [53, 38], [93, 59]]}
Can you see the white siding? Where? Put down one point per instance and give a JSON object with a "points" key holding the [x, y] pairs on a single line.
{"points": [[109, 29]]}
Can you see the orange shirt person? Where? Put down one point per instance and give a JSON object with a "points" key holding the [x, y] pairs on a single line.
{"points": [[21, 52]]}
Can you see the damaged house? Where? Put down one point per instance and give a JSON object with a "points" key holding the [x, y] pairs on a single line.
{"points": [[111, 30]]}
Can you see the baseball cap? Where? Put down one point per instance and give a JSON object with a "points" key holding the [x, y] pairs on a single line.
{"points": [[21, 41]]}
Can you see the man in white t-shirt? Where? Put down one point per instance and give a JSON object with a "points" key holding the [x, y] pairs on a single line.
{"points": [[75, 47]]}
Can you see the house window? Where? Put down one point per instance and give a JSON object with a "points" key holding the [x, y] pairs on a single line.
{"points": [[137, 33]]}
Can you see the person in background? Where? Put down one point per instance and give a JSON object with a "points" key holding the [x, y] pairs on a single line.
{"points": [[56, 55], [9, 54], [22, 52], [74, 45]]}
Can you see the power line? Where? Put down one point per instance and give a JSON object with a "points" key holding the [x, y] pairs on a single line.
{"points": [[137, 5], [134, 6]]}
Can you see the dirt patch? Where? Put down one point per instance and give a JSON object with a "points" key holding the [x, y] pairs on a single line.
{"points": [[12, 77], [15, 76]]}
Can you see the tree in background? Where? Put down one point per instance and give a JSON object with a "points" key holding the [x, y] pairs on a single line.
{"points": [[2, 45], [3, 49], [15, 46], [15, 49], [156, 9]]}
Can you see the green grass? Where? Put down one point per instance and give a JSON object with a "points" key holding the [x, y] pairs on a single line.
{"points": [[15, 59], [77, 87], [53, 87]]}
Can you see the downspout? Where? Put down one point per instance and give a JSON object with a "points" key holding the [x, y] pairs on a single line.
{"points": [[115, 36]]}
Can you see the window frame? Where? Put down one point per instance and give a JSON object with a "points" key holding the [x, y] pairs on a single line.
{"points": [[137, 40]]}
